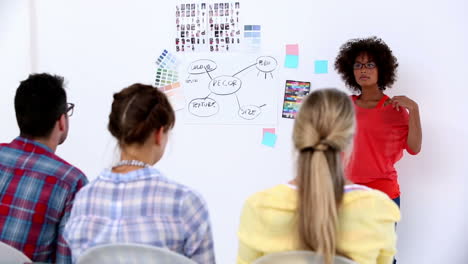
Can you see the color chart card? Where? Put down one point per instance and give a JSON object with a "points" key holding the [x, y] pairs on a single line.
{"points": [[252, 37], [294, 93], [167, 60], [166, 72], [165, 77], [175, 94]]}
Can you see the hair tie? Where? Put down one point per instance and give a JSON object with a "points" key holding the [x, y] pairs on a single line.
{"points": [[321, 146]]}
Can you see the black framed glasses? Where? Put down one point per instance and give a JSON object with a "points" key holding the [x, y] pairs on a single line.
{"points": [[70, 107], [369, 65]]}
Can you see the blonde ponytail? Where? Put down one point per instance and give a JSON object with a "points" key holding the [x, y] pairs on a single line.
{"points": [[323, 129]]}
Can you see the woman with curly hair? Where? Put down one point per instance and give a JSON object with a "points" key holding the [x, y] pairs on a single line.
{"points": [[385, 126]]}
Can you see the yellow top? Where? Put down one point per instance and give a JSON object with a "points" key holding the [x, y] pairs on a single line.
{"points": [[366, 230]]}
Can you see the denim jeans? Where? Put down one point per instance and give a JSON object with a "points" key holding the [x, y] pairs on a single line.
{"points": [[397, 201]]}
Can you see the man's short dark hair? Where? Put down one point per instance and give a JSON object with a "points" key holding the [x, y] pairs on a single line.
{"points": [[40, 100]]}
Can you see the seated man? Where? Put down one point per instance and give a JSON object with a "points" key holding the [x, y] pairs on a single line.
{"points": [[37, 187]]}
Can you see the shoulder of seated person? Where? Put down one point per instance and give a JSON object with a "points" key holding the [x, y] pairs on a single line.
{"points": [[373, 200], [365, 194], [274, 196]]}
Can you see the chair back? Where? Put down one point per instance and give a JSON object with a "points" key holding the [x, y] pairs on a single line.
{"points": [[11, 255], [298, 257], [131, 253]]}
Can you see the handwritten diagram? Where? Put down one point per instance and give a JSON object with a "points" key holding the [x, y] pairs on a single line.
{"points": [[229, 86]]}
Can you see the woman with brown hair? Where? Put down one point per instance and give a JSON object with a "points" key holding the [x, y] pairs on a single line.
{"points": [[319, 210], [133, 202]]}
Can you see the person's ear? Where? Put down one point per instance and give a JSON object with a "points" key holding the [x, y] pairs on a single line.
{"points": [[62, 123], [158, 136]]}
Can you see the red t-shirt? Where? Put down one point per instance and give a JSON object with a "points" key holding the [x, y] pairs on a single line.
{"points": [[381, 136]]}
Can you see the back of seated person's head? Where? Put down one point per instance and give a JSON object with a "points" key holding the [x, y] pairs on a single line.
{"points": [[137, 112], [323, 130], [40, 101]]}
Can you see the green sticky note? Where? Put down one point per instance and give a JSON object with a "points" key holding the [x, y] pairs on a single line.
{"points": [[269, 139], [321, 66], [292, 61]]}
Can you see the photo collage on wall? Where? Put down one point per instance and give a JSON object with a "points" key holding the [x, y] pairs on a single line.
{"points": [[213, 27]]}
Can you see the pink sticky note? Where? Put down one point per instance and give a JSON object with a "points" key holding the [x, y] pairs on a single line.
{"points": [[269, 130], [292, 49]]}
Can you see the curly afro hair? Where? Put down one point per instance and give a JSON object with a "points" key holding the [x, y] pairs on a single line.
{"points": [[375, 48]]}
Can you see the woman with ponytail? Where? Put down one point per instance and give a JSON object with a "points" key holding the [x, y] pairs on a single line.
{"points": [[132, 202], [319, 210]]}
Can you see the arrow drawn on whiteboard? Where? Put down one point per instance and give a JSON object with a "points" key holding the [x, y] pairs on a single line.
{"points": [[238, 103], [208, 73], [244, 69]]}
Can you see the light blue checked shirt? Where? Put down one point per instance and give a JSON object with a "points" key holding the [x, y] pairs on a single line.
{"points": [[141, 206]]}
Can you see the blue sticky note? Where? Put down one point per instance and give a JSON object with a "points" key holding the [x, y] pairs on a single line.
{"points": [[256, 27], [269, 139], [248, 34], [321, 66], [248, 27], [292, 61]]}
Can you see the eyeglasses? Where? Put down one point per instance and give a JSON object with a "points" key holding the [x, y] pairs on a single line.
{"points": [[369, 65], [70, 107]]}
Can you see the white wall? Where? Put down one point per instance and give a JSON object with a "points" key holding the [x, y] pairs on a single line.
{"points": [[103, 46], [15, 63]]}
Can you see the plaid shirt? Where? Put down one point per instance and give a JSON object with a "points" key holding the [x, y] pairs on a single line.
{"points": [[141, 206], [36, 194]]}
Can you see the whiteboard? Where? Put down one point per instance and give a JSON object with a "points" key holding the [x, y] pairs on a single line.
{"points": [[219, 91], [103, 46]]}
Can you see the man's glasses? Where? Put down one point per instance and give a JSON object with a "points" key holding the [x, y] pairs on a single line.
{"points": [[70, 107], [369, 65]]}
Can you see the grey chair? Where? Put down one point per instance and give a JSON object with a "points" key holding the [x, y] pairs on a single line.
{"points": [[298, 257], [11, 255], [131, 253]]}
